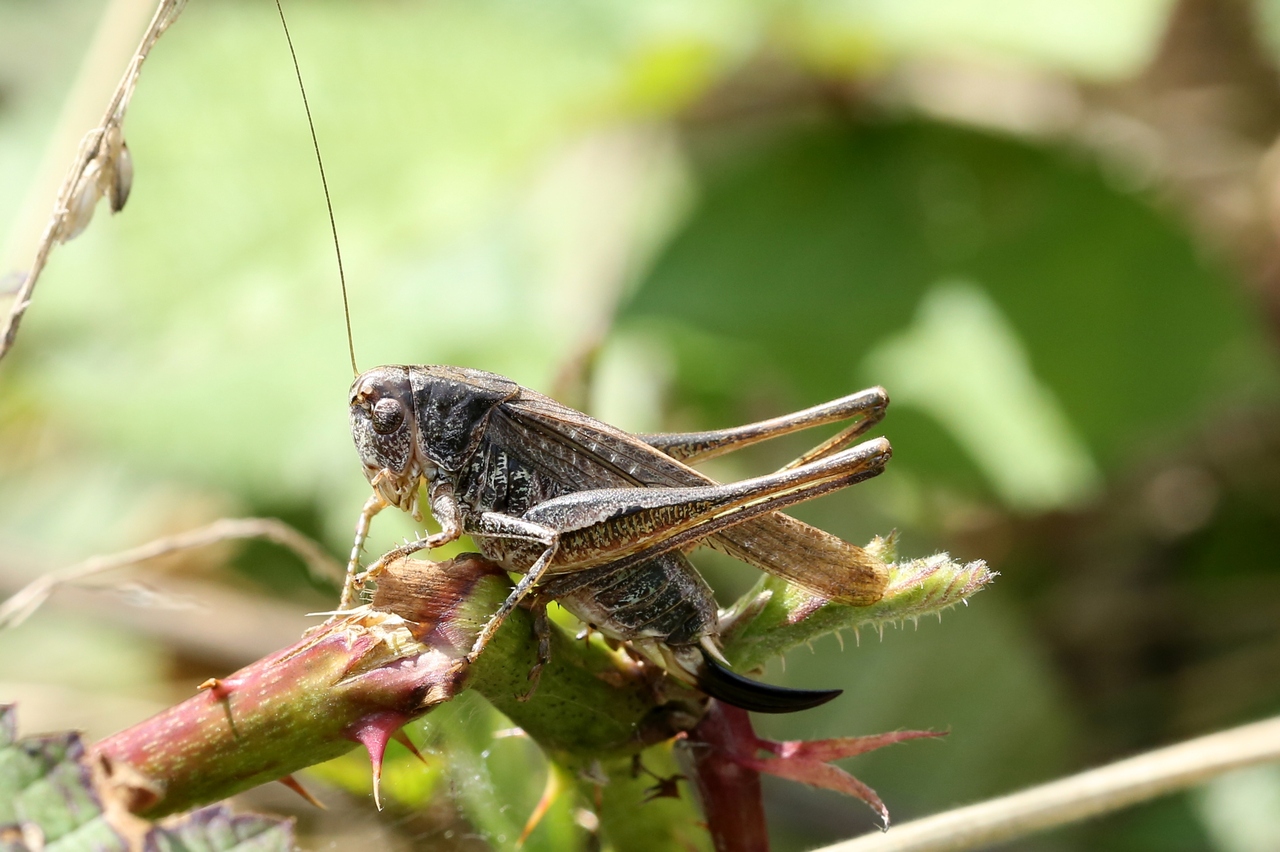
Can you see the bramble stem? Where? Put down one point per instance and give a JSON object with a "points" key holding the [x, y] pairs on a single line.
{"points": [[368, 671]]}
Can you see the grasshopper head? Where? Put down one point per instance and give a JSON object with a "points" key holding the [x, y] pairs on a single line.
{"points": [[384, 430]]}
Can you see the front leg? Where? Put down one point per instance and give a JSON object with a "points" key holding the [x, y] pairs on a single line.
{"points": [[372, 506], [445, 510]]}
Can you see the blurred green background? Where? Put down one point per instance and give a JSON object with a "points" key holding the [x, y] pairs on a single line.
{"points": [[1049, 228]]}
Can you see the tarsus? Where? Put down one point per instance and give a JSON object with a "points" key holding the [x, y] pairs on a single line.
{"points": [[333, 225]]}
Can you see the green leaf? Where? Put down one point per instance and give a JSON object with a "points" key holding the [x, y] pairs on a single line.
{"points": [[815, 252], [499, 780], [46, 791], [47, 794], [960, 356], [216, 829]]}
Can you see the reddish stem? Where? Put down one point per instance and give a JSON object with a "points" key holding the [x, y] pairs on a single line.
{"points": [[731, 796]]}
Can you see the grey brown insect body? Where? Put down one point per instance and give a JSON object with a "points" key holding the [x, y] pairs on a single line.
{"points": [[600, 519], [595, 517]]}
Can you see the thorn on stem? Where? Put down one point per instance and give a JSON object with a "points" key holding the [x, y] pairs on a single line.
{"points": [[554, 787], [374, 732], [401, 737], [216, 688], [296, 786], [664, 788]]}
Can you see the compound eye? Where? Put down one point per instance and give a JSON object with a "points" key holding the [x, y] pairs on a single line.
{"points": [[387, 415]]}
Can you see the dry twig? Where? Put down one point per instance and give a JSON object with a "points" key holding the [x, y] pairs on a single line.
{"points": [[102, 167], [20, 606], [1080, 797]]}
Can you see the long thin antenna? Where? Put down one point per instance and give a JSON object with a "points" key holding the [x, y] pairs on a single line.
{"points": [[333, 225]]}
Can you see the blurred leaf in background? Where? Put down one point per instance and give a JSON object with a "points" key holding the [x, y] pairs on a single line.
{"points": [[1048, 229]]}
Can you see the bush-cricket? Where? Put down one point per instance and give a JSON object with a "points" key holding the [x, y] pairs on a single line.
{"points": [[600, 519]]}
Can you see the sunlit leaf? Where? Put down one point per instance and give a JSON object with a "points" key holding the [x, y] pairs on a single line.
{"points": [[813, 251]]}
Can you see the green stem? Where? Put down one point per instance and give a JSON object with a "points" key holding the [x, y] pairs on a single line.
{"points": [[591, 703], [355, 679]]}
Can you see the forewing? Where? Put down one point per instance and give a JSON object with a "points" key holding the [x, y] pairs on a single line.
{"points": [[586, 453], [557, 450], [810, 558], [596, 454]]}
